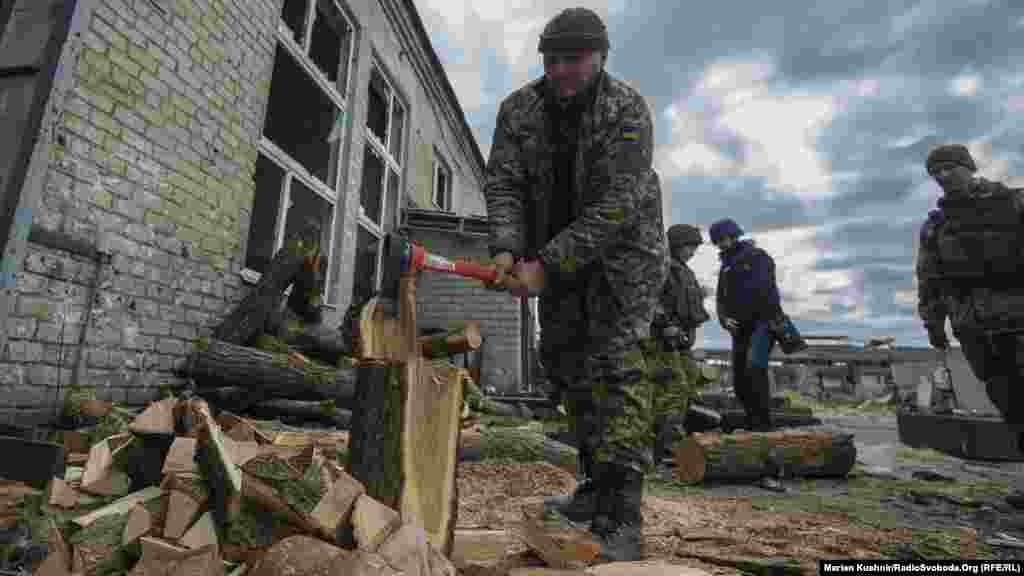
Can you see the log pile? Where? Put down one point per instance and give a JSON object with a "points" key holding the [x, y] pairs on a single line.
{"points": [[226, 498]]}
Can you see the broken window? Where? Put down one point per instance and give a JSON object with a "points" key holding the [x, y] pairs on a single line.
{"points": [[324, 35], [382, 166], [262, 242], [300, 130], [442, 195], [367, 253]]}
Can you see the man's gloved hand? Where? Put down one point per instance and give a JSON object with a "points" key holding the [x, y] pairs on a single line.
{"points": [[503, 264], [937, 336]]}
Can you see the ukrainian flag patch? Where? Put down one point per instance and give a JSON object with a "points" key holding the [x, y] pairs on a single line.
{"points": [[631, 133]]}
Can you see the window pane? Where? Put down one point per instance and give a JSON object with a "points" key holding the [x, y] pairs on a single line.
{"points": [[306, 205], [397, 125], [263, 223], [364, 283], [392, 204], [300, 117], [294, 15], [371, 193], [377, 110], [325, 41]]}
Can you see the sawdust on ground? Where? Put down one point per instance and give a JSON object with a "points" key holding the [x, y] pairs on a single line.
{"points": [[493, 495]]}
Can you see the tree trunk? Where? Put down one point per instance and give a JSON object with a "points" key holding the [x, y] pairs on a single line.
{"points": [[517, 444], [303, 410], [404, 438], [458, 341], [313, 339], [748, 456], [219, 364], [249, 317]]}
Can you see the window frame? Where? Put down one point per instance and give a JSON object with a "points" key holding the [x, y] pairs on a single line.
{"points": [[391, 164], [441, 166], [338, 93]]}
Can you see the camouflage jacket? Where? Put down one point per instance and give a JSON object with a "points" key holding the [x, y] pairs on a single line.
{"points": [[617, 195], [986, 305], [682, 300]]}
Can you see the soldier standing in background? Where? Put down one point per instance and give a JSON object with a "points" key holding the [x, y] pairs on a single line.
{"points": [[575, 213], [970, 252], [679, 313]]}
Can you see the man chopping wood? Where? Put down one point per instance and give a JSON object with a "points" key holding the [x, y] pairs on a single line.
{"points": [[970, 252], [575, 212], [679, 312]]}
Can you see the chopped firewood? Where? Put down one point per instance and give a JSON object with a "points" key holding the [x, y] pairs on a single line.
{"points": [[115, 483], [545, 571], [372, 522], [362, 563], [161, 558], [61, 494], [408, 550], [303, 439], [101, 459], [483, 546], [140, 522], [77, 459], [74, 442], [121, 506], [559, 546], [157, 418], [181, 510], [58, 562], [754, 455], [299, 555], [202, 533], [224, 478], [242, 429], [458, 341], [335, 508], [181, 457], [266, 497]]}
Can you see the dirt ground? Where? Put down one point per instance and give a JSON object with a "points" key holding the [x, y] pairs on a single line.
{"points": [[872, 514]]}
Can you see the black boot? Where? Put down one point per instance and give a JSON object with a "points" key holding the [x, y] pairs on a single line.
{"points": [[618, 525], [579, 507]]}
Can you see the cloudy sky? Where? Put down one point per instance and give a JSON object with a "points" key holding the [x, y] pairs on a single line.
{"points": [[806, 122]]}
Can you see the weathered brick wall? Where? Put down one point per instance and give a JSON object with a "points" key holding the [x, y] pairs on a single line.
{"points": [[153, 167], [446, 299]]}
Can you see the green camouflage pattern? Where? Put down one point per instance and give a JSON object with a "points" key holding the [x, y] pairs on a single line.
{"points": [[604, 271]]}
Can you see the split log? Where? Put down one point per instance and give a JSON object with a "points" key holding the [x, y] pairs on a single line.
{"points": [[249, 317], [457, 341], [404, 437], [516, 444], [303, 410], [217, 463], [746, 456], [217, 364]]}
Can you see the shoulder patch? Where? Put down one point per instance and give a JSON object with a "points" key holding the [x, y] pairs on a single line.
{"points": [[631, 133]]}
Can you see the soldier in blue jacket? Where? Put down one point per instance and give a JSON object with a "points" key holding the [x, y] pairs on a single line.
{"points": [[747, 299]]}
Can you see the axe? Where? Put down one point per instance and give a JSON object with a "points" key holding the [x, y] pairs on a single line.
{"points": [[404, 258]]}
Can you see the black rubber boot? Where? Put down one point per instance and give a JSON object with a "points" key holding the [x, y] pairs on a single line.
{"points": [[580, 506], [618, 525]]}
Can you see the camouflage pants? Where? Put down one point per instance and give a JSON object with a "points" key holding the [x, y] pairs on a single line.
{"points": [[673, 376], [590, 345], [998, 361]]}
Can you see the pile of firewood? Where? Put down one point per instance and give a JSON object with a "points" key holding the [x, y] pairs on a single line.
{"points": [[225, 497]]}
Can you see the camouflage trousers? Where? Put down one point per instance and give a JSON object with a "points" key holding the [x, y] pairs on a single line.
{"points": [[998, 361], [591, 334], [674, 377]]}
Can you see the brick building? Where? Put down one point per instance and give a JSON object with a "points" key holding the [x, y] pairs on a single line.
{"points": [[156, 153]]}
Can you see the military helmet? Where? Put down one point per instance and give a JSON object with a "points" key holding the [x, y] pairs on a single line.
{"points": [[950, 154], [574, 29], [684, 234]]}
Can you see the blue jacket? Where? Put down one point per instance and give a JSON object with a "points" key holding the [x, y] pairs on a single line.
{"points": [[746, 289]]}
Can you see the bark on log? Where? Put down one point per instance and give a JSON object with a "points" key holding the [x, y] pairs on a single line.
{"points": [[458, 341], [304, 410], [219, 364], [747, 456], [315, 340], [249, 317], [517, 444], [404, 438], [231, 398]]}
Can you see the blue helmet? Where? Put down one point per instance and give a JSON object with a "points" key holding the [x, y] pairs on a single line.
{"points": [[723, 228]]}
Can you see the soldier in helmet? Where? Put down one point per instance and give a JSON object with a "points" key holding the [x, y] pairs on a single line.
{"points": [[680, 311], [970, 252], [575, 213]]}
